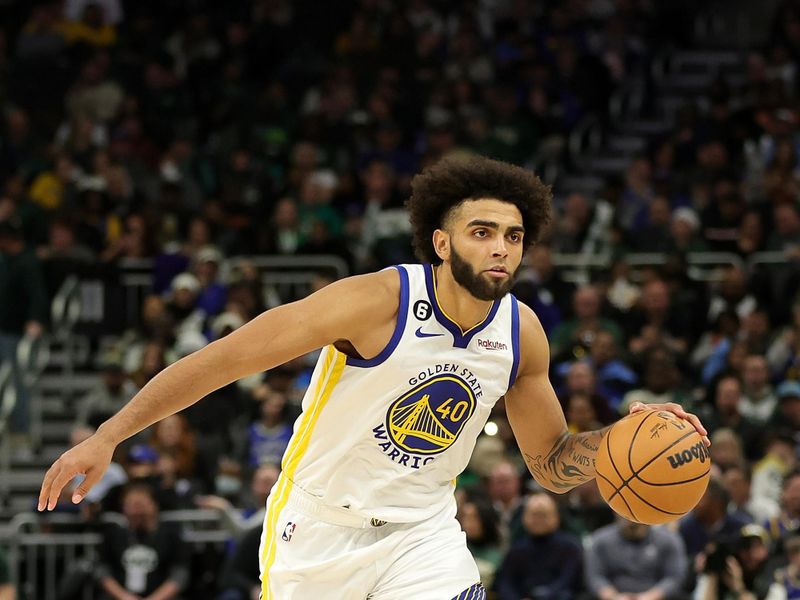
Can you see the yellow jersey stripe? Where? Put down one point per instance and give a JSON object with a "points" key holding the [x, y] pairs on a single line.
{"points": [[275, 499], [332, 371]]}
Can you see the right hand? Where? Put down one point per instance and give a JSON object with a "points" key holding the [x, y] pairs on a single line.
{"points": [[90, 458]]}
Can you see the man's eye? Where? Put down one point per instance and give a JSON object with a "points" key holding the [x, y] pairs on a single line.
{"points": [[481, 233], [515, 237]]}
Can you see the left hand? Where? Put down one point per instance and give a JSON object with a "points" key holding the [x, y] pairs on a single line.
{"points": [[678, 411]]}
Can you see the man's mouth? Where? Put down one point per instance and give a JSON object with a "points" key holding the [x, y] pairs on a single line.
{"points": [[498, 272]]}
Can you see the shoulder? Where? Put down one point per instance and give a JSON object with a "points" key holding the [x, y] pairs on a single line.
{"points": [[567, 540], [360, 302], [604, 535], [534, 347], [373, 288]]}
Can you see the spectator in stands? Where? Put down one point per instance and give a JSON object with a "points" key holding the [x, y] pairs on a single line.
{"points": [[723, 216], [724, 413], [580, 413], [238, 520], [7, 591], [546, 563], [23, 312], [282, 234], [773, 472], [268, 437], [783, 353], [134, 241], [614, 377], [788, 520], [660, 383], [732, 293], [147, 558], [735, 567], [541, 269], [172, 437], [91, 29], [758, 399], [737, 479], [584, 510], [788, 412], [727, 451], [241, 576], [582, 379], [622, 292], [655, 236], [715, 342], [684, 231], [784, 238], [572, 229], [385, 229], [585, 325], [631, 560], [751, 234], [504, 487], [108, 395], [787, 579], [153, 360], [709, 520], [480, 524], [143, 465], [41, 39], [212, 294], [653, 321]]}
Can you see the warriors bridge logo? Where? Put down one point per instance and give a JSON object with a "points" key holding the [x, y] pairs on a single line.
{"points": [[426, 420]]}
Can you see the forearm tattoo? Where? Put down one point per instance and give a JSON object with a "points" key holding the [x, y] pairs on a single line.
{"points": [[569, 463]]}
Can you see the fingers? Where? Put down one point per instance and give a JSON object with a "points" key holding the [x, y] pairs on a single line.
{"points": [[92, 477], [678, 411], [54, 481], [47, 483], [699, 427]]}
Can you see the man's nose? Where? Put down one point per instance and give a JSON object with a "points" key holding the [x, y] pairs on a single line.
{"points": [[500, 247]]}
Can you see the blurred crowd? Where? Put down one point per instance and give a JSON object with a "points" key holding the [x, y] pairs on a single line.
{"points": [[194, 133]]}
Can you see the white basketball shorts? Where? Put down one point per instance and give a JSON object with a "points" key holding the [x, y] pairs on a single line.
{"points": [[313, 552]]}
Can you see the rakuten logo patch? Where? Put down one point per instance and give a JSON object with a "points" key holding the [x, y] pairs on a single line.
{"points": [[490, 345]]}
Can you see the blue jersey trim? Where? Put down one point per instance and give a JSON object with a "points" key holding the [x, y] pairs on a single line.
{"points": [[402, 315], [473, 592], [461, 339], [514, 340]]}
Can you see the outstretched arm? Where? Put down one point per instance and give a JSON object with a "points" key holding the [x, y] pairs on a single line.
{"points": [[344, 310]]}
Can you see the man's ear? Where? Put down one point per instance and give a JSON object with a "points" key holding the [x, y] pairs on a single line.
{"points": [[441, 244]]}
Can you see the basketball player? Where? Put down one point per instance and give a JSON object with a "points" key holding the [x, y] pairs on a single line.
{"points": [[413, 359]]}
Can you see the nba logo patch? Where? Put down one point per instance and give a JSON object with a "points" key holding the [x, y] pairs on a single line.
{"points": [[288, 531]]}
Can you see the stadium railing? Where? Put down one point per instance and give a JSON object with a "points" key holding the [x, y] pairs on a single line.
{"points": [[48, 552]]}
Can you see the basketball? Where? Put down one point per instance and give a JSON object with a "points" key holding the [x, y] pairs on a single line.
{"points": [[652, 467]]}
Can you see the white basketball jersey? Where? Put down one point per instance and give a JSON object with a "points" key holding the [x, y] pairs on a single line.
{"points": [[386, 437]]}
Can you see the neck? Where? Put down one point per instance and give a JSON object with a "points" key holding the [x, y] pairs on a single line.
{"points": [[457, 303]]}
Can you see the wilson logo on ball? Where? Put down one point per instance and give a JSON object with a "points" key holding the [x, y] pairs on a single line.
{"points": [[698, 451]]}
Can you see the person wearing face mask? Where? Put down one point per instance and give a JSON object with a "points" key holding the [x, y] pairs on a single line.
{"points": [[631, 561], [238, 519], [146, 559]]}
